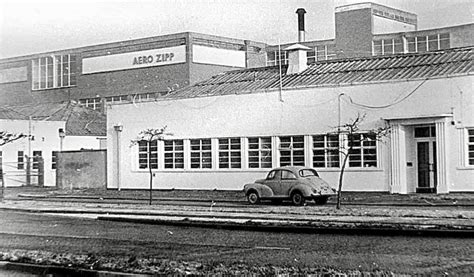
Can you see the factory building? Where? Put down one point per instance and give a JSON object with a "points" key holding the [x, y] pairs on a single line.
{"points": [[233, 128]]}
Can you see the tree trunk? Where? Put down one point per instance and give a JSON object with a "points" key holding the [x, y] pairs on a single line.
{"points": [[341, 175], [150, 171]]}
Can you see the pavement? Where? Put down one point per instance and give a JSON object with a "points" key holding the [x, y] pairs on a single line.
{"points": [[361, 213]]}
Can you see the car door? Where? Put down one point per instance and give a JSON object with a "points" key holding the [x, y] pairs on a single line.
{"points": [[288, 180], [273, 181]]}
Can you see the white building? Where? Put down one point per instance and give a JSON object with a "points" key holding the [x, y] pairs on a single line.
{"points": [[234, 127], [49, 128]]}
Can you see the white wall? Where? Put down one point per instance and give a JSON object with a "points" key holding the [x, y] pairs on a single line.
{"points": [[46, 139], [302, 112]]}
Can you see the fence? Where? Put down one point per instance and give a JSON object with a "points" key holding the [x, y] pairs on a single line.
{"points": [[29, 172]]}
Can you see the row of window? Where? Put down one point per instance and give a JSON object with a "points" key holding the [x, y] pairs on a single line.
{"points": [[470, 145], [96, 103], [318, 53], [21, 160], [326, 152], [416, 44], [54, 71]]}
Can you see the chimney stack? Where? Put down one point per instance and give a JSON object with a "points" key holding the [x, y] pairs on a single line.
{"points": [[297, 58], [301, 13]]}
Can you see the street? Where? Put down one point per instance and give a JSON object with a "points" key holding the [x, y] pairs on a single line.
{"points": [[219, 247]]}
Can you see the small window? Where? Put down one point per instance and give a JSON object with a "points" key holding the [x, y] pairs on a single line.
{"points": [[285, 174], [148, 154], [174, 154], [308, 173], [272, 175], [21, 160], [260, 152], [425, 132], [470, 146], [54, 159], [201, 155], [229, 153], [36, 159]]}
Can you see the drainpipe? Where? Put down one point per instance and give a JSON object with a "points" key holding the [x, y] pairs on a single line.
{"points": [[118, 129]]}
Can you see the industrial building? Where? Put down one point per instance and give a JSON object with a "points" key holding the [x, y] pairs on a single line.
{"points": [[234, 127], [151, 67]]}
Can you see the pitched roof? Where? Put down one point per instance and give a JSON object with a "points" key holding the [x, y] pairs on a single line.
{"points": [[336, 72], [80, 120]]}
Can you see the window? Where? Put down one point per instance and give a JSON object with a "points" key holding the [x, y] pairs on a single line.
{"points": [[174, 154], [54, 159], [285, 174], [94, 103], [364, 151], [260, 152], [387, 46], [21, 160], [325, 52], [470, 146], [326, 151], [54, 72], [291, 150], [428, 43], [273, 57], [229, 153], [201, 155], [425, 132], [36, 159], [148, 154]]}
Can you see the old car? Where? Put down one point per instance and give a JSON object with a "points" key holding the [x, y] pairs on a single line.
{"points": [[294, 183]]}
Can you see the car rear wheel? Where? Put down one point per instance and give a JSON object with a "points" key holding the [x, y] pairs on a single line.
{"points": [[297, 198], [321, 200], [253, 197]]}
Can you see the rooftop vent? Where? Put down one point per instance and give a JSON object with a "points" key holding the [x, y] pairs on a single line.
{"points": [[297, 58], [301, 13]]}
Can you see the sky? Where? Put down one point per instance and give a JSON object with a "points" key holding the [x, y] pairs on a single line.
{"points": [[28, 27]]}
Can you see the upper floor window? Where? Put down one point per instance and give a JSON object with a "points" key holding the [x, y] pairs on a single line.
{"points": [[387, 46], [428, 43], [326, 150], [470, 146], [274, 57], [54, 71], [260, 152], [148, 154], [364, 150], [292, 150]]}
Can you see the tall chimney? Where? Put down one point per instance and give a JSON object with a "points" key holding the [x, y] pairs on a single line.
{"points": [[300, 13]]}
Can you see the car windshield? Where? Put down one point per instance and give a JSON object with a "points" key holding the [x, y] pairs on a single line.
{"points": [[308, 173]]}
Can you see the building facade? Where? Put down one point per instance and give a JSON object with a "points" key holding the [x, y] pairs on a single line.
{"points": [[49, 129], [235, 127], [369, 29], [137, 69]]}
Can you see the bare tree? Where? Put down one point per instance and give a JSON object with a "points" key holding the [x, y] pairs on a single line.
{"points": [[351, 129], [149, 136], [7, 137]]}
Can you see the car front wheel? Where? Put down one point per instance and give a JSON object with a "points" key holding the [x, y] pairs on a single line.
{"points": [[253, 197], [297, 198]]}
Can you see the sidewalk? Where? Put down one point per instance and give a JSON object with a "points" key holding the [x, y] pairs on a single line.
{"points": [[446, 215]]}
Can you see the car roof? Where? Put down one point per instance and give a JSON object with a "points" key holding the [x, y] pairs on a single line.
{"points": [[292, 168]]}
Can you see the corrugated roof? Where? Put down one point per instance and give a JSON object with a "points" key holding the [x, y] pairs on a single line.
{"points": [[336, 72], [80, 120]]}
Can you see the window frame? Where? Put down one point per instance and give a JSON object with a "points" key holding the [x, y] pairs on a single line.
{"points": [[262, 152], [176, 149], [469, 144], [327, 148], [361, 149], [225, 150], [201, 151], [292, 150], [143, 151], [53, 71]]}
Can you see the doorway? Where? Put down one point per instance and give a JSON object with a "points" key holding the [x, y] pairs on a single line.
{"points": [[426, 159]]}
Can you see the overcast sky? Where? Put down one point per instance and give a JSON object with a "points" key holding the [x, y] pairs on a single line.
{"points": [[28, 27]]}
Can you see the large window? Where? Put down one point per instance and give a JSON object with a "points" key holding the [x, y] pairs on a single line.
{"points": [[201, 154], [291, 150], [148, 154], [470, 146], [54, 72], [230, 155], [260, 152], [326, 151], [174, 154], [364, 151]]}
